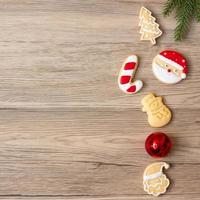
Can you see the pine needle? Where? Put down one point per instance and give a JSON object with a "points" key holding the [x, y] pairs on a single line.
{"points": [[185, 10], [197, 10], [168, 7], [183, 16]]}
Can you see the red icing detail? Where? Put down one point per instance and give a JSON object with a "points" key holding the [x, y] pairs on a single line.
{"points": [[158, 144], [177, 58], [132, 89], [169, 70], [129, 66], [125, 79], [185, 70]]}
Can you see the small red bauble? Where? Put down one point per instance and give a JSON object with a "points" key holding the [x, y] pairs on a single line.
{"points": [[158, 144]]}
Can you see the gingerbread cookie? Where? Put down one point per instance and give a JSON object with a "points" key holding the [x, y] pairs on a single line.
{"points": [[169, 67], [149, 28], [158, 113], [127, 72], [154, 180]]}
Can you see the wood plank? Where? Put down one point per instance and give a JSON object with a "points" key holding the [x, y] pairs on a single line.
{"points": [[72, 51], [90, 151], [94, 129], [67, 131], [128, 197]]}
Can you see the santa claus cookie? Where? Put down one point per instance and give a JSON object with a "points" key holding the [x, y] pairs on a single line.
{"points": [[169, 67], [154, 180]]}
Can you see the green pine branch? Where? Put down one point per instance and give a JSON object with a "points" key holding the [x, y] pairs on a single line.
{"points": [[197, 10], [170, 6], [185, 11], [184, 16]]}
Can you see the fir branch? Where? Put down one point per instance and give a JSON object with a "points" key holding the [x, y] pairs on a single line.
{"points": [[197, 10], [170, 5], [184, 16], [185, 10]]}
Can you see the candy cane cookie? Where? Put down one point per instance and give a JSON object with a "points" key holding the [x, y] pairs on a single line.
{"points": [[127, 72]]}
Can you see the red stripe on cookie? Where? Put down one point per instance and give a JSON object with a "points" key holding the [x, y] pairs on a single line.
{"points": [[132, 89], [125, 79], [129, 66]]}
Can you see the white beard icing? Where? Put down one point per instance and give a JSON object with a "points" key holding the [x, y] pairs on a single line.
{"points": [[164, 76]]}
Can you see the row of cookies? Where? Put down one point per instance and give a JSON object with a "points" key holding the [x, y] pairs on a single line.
{"points": [[169, 67], [157, 145]]}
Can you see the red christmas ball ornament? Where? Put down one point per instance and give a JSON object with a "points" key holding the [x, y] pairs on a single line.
{"points": [[158, 144]]}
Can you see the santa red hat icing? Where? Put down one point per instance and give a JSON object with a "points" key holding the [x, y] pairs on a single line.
{"points": [[175, 59], [170, 66]]}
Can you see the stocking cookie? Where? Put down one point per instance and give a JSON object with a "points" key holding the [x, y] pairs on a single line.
{"points": [[169, 67], [149, 28], [158, 113], [154, 180], [127, 72]]}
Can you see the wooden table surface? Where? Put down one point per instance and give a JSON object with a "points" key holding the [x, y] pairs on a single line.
{"points": [[66, 130]]}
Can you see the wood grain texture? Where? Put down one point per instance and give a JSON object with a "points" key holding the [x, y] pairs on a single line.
{"points": [[67, 131]]}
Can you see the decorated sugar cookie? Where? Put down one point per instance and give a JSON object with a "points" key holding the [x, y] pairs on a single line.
{"points": [[149, 28], [154, 180], [170, 67], [158, 113], [127, 72]]}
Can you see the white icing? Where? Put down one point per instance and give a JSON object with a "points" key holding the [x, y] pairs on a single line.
{"points": [[132, 58], [152, 176], [138, 84], [183, 75], [170, 62], [125, 87], [164, 76], [126, 72]]}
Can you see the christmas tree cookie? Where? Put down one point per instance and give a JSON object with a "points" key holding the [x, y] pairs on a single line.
{"points": [[149, 28]]}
